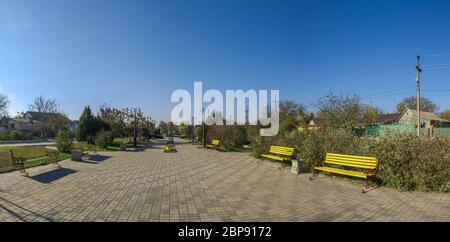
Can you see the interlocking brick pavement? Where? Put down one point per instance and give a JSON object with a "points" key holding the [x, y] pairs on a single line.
{"points": [[200, 185]]}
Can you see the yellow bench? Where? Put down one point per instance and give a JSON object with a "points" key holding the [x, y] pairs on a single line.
{"points": [[215, 143], [169, 148], [280, 153], [364, 166]]}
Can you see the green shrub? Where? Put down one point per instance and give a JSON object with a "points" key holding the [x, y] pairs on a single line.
{"points": [[198, 134], [411, 163], [16, 135], [406, 162], [231, 137], [64, 141], [103, 138]]}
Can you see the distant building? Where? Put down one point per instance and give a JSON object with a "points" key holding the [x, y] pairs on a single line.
{"points": [[9, 124], [34, 121], [316, 123], [46, 117], [427, 119], [388, 118]]}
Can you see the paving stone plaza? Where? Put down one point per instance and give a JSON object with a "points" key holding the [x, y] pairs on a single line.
{"points": [[199, 185]]}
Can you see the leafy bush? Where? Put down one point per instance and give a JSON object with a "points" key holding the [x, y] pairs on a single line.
{"points": [[64, 141], [412, 163], [103, 138], [230, 136], [16, 135], [198, 134], [406, 162]]}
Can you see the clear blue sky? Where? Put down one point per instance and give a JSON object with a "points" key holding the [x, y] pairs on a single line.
{"points": [[135, 53]]}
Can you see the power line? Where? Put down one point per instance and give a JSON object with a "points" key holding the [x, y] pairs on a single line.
{"points": [[390, 91], [436, 65], [439, 68], [434, 55], [387, 95], [436, 90], [380, 66], [385, 75]]}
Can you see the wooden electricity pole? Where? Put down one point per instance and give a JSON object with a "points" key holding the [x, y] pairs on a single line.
{"points": [[418, 72]]}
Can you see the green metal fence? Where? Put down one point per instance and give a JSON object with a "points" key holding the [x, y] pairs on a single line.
{"points": [[381, 130]]}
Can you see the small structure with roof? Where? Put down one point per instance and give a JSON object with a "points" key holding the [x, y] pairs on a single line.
{"points": [[427, 119]]}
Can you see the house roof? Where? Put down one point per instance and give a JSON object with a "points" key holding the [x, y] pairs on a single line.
{"points": [[39, 116], [388, 117], [21, 120], [425, 115], [317, 122]]}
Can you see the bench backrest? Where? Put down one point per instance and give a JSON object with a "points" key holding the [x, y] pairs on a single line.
{"points": [[215, 142], [364, 162], [281, 150]]}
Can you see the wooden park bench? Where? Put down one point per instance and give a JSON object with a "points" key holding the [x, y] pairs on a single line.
{"points": [[279, 153], [361, 167], [53, 154], [92, 149], [169, 148], [18, 163], [215, 143]]}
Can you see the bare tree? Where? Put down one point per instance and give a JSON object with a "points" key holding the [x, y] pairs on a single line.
{"points": [[341, 111], [4, 105], [43, 105], [410, 102]]}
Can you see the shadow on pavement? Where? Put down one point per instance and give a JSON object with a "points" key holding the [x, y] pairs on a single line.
{"points": [[98, 158], [51, 176], [93, 159], [17, 215]]}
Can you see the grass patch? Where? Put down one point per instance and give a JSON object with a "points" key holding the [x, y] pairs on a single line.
{"points": [[115, 146], [35, 156]]}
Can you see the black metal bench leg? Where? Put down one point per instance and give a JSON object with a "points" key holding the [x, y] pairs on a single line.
{"points": [[315, 174], [366, 186], [24, 171]]}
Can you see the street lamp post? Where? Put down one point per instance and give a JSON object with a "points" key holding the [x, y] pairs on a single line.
{"points": [[203, 128], [134, 131]]}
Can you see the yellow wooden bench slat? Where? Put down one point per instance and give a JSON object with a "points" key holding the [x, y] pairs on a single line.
{"points": [[351, 162], [351, 165], [214, 144], [281, 150], [352, 156], [342, 172], [367, 163], [373, 159], [281, 153], [364, 162], [274, 157]]}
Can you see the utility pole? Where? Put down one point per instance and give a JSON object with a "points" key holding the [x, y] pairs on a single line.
{"points": [[418, 72]]}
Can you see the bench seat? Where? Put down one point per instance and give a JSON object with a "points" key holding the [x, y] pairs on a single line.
{"points": [[342, 172], [215, 143], [279, 153], [361, 166], [274, 157]]}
